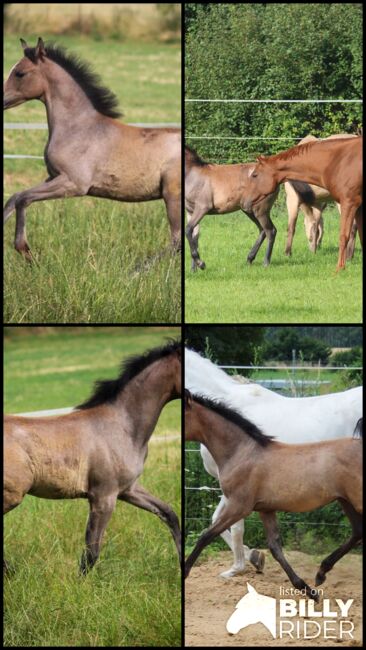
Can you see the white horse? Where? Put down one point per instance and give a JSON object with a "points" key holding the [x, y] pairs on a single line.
{"points": [[289, 419]]}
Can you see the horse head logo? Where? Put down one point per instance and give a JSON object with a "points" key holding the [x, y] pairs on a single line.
{"points": [[253, 608]]}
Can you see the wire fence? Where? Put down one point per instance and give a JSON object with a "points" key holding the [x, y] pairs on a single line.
{"points": [[290, 139], [43, 126]]}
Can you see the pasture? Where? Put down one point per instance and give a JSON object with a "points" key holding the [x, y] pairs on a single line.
{"points": [[95, 260], [301, 289], [132, 597]]}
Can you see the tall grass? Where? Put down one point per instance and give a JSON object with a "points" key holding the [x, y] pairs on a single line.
{"points": [[121, 21], [300, 289]]}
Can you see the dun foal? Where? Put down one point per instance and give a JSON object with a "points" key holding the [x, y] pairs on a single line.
{"points": [[98, 451], [219, 189], [258, 474], [88, 151]]}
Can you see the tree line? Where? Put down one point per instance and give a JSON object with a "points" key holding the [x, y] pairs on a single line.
{"points": [[270, 51]]}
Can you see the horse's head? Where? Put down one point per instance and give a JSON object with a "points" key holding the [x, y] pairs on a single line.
{"points": [[25, 80], [261, 182]]}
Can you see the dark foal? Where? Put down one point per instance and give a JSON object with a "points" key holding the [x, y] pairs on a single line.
{"points": [[219, 189], [98, 451], [89, 152], [258, 474]]}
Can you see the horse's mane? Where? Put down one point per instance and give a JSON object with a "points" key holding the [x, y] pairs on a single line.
{"points": [[103, 99], [108, 391], [231, 415], [358, 432], [193, 158], [302, 149]]}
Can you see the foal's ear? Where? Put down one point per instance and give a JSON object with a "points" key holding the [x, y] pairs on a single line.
{"points": [[261, 159], [23, 44], [40, 49]]}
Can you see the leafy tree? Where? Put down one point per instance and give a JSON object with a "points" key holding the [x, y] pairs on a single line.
{"points": [[227, 345], [276, 51]]}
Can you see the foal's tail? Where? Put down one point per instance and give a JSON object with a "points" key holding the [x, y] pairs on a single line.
{"points": [[358, 432]]}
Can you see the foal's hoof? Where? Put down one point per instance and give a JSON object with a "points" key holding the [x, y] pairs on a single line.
{"points": [[319, 578], [313, 594], [201, 265], [257, 558]]}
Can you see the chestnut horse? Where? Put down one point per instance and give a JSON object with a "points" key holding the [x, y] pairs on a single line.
{"points": [[88, 151], [96, 452], [335, 165], [312, 200], [257, 473], [219, 189]]}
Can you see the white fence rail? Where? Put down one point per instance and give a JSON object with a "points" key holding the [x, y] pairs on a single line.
{"points": [[44, 126]]}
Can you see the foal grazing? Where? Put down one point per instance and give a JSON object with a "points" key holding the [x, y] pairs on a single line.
{"points": [[98, 451], [88, 151], [219, 189], [335, 165], [258, 474]]}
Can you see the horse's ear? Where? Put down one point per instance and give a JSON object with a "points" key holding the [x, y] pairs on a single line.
{"points": [[187, 398], [40, 49], [250, 588], [23, 44], [261, 159]]}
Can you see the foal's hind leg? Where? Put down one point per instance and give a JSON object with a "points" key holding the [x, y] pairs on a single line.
{"points": [[139, 497], [356, 523], [274, 544], [101, 508]]}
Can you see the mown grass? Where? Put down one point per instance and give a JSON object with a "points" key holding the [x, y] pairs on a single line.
{"points": [[133, 595], [300, 289], [95, 260]]}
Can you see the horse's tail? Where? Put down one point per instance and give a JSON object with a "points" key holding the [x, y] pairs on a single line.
{"points": [[358, 432]]}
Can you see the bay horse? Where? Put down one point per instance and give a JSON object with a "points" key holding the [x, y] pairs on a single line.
{"points": [[260, 474], [312, 200], [89, 152], [335, 165], [219, 189], [308, 419], [98, 451]]}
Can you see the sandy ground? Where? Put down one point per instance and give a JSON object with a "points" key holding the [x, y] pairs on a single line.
{"points": [[210, 600]]}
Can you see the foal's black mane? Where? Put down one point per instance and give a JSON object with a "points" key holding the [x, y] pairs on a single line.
{"points": [[103, 100], [194, 157], [233, 416], [108, 391]]}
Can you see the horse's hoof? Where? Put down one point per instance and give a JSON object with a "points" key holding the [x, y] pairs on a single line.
{"points": [[313, 594], [257, 558], [319, 579], [202, 265], [231, 573]]}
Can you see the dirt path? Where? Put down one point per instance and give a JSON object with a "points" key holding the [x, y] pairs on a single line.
{"points": [[210, 600]]}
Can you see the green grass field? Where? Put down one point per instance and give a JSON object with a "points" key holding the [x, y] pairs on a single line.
{"points": [[133, 595], [90, 253], [300, 289]]}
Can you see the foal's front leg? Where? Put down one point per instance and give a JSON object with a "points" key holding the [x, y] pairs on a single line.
{"points": [[274, 544], [192, 234], [138, 496], [101, 508], [59, 187], [230, 514]]}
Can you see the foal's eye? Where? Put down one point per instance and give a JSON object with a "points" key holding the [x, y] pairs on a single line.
{"points": [[20, 74]]}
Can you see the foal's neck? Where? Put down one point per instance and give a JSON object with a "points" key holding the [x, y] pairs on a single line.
{"points": [[222, 438], [143, 399], [65, 100]]}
